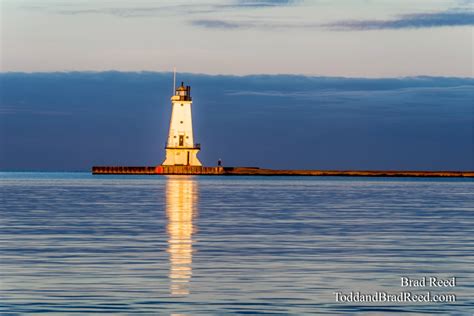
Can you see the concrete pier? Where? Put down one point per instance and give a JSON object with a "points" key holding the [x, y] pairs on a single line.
{"points": [[253, 171]]}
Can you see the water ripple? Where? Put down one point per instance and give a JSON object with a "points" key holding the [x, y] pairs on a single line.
{"points": [[78, 244]]}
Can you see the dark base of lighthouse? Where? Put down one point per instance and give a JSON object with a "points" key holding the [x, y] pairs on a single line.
{"points": [[247, 171]]}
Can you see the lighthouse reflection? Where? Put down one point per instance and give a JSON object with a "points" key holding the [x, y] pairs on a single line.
{"points": [[181, 208]]}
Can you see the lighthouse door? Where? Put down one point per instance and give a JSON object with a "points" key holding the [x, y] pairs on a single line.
{"points": [[181, 140]]}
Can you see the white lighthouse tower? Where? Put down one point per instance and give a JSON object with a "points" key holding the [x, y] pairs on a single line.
{"points": [[180, 147]]}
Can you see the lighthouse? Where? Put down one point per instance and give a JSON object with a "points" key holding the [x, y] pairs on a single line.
{"points": [[180, 147]]}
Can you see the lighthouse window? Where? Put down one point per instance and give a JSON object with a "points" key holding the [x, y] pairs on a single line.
{"points": [[182, 104], [181, 140], [187, 136], [181, 122]]}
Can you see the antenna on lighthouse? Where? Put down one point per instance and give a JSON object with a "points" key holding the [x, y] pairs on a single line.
{"points": [[174, 80]]}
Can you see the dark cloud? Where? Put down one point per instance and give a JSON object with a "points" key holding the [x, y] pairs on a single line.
{"points": [[130, 12], [71, 121], [126, 12], [264, 3], [134, 12], [461, 17], [408, 21], [316, 94], [119, 12], [245, 24], [216, 24]]}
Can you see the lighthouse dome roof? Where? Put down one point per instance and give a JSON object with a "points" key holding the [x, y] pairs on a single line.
{"points": [[182, 87]]}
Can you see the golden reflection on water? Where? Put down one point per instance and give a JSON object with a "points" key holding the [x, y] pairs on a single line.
{"points": [[181, 208]]}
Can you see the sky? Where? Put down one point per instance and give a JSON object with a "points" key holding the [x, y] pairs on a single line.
{"points": [[322, 84], [352, 38]]}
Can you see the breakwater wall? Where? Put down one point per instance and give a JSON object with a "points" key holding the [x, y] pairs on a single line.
{"points": [[189, 170], [353, 173], [253, 171]]}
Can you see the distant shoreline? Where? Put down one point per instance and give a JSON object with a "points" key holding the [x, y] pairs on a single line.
{"points": [[255, 171]]}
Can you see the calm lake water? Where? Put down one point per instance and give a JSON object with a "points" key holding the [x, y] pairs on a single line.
{"points": [[73, 243]]}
